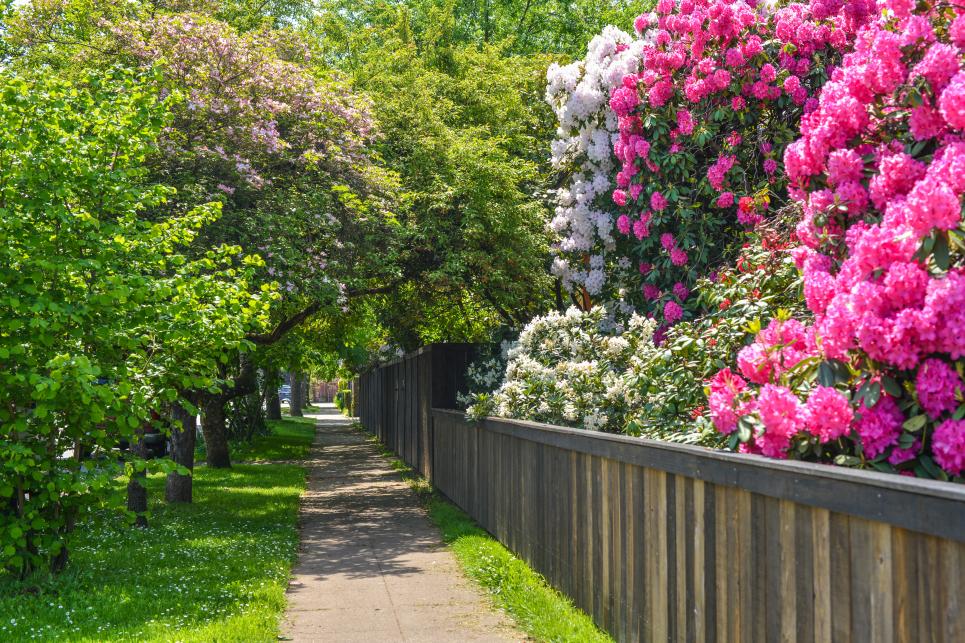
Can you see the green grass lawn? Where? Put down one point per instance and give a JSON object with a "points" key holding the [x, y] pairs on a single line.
{"points": [[538, 609], [215, 570], [291, 439]]}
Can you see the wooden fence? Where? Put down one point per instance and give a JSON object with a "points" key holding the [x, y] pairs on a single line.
{"points": [[324, 391], [394, 400], [663, 542]]}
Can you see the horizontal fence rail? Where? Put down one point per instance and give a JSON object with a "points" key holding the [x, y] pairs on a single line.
{"points": [[666, 542]]}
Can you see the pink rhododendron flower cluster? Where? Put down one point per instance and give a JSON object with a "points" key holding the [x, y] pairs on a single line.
{"points": [[672, 311], [938, 385], [879, 170], [778, 348], [709, 73], [782, 416], [948, 446], [725, 389], [829, 414], [880, 426]]}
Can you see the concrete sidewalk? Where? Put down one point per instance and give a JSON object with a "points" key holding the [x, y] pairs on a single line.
{"points": [[371, 566]]}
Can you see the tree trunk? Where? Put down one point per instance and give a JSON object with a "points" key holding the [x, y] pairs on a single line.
{"points": [[295, 408], [136, 491], [59, 562], [183, 433], [272, 401], [486, 31], [215, 432]]}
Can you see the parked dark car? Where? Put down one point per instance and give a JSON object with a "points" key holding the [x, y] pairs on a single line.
{"points": [[155, 443], [285, 394]]}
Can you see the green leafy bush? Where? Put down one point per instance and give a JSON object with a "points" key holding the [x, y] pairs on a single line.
{"points": [[592, 371], [102, 319], [762, 285]]}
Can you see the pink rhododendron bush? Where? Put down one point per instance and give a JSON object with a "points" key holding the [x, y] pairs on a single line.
{"points": [[680, 145], [692, 115], [879, 168]]}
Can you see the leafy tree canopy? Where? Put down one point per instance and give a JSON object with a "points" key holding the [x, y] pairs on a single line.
{"points": [[104, 317]]}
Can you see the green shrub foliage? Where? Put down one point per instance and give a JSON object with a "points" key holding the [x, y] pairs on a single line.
{"points": [[103, 320]]}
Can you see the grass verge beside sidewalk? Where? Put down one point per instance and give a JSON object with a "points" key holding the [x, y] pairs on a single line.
{"points": [[538, 609], [290, 439], [215, 570]]}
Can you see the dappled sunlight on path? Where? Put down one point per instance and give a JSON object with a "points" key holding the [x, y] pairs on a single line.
{"points": [[371, 566]]}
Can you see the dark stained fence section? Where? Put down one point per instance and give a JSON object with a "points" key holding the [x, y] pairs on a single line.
{"points": [[665, 542], [661, 542], [394, 401]]}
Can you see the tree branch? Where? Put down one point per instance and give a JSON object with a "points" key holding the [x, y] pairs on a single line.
{"points": [[282, 329], [499, 309], [286, 325], [559, 295]]}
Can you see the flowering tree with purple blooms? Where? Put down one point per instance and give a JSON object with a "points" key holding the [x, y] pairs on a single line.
{"points": [[876, 380], [284, 146], [266, 130]]}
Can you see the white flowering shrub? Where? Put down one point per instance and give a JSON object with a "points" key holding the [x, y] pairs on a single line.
{"points": [[579, 93], [571, 369], [485, 373], [589, 370]]}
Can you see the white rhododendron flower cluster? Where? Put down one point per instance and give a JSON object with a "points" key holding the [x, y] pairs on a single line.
{"points": [[485, 373], [575, 369], [579, 94]]}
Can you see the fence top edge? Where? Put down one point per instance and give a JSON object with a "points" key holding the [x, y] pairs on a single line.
{"points": [[893, 482], [415, 353]]}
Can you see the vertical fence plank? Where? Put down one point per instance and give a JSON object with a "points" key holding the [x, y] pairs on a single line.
{"points": [[622, 553], [733, 555], [748, 598], [633, 618], [592, 473], [596, 541], [720, 557], [862, 565], [788, 588], [606, 525], [680, 537], [579, 528], [614, 562], [882, 606], [699, 564], [952, 561], [841, 597], [657, 554], [821, 574], [803, 574], [641, 590]]}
